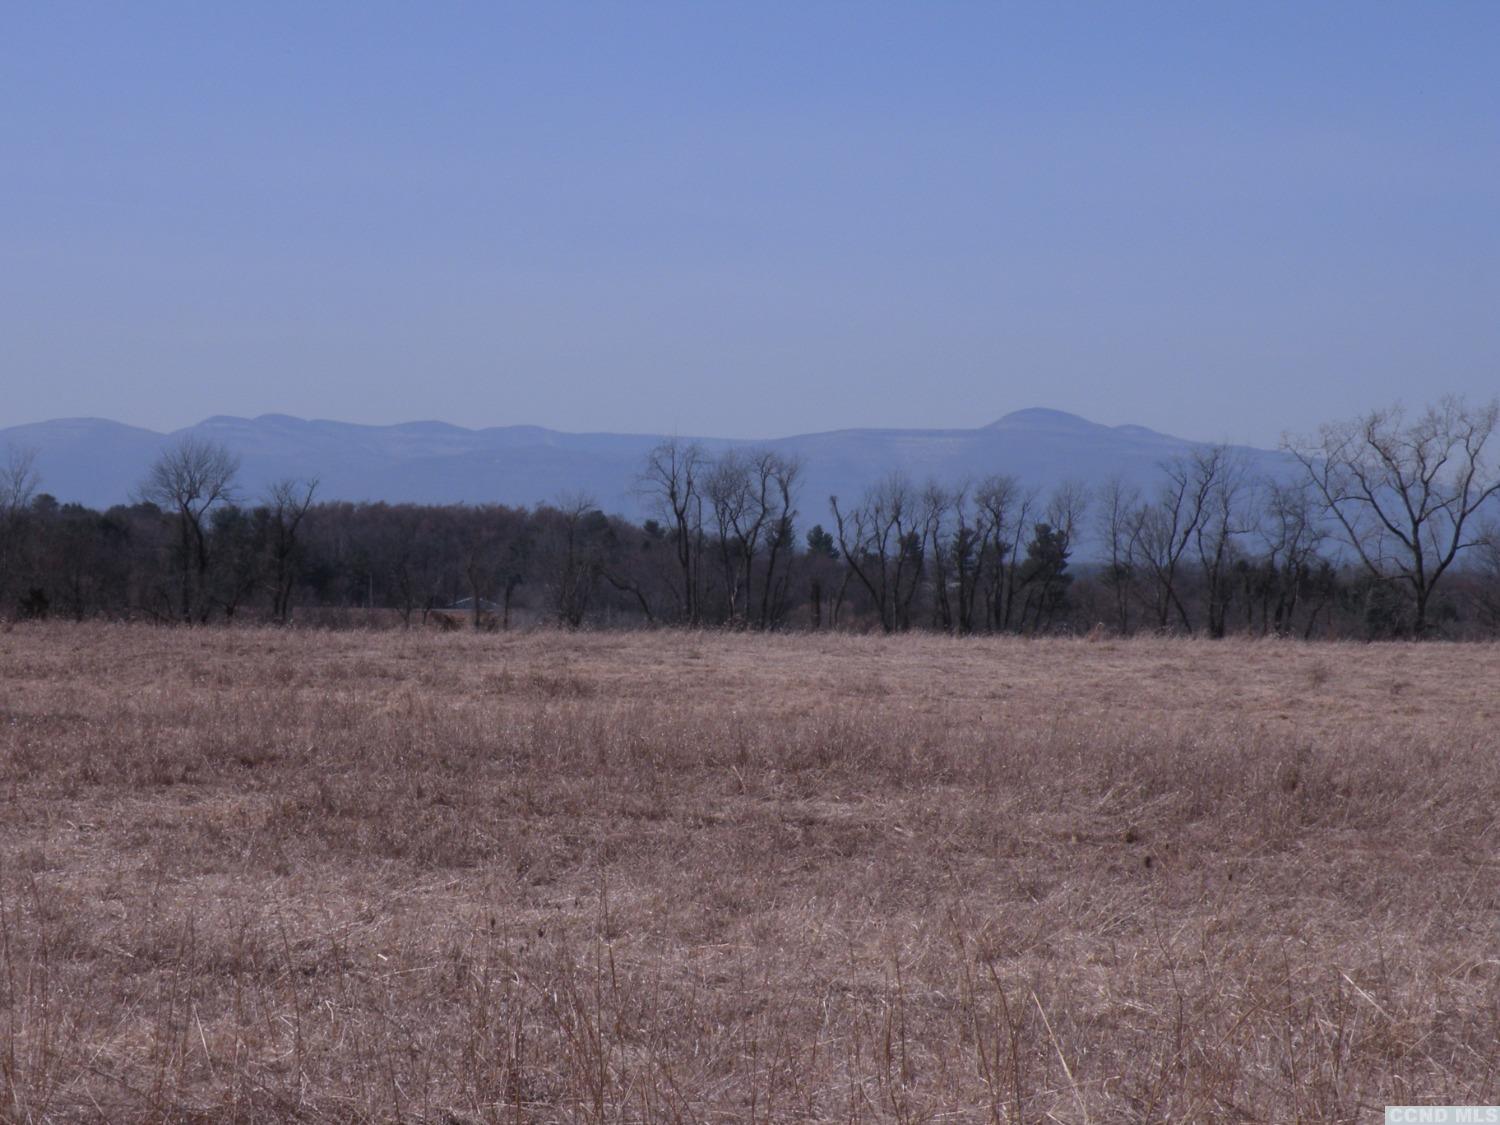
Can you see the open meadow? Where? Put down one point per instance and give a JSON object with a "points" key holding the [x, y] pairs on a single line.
{"points": [[295, 875]]}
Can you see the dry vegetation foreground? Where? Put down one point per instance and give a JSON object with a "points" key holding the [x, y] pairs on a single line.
{"points": [[288, 875]]}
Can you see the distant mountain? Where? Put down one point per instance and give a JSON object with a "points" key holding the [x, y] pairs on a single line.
{"points": [[99, 462]]}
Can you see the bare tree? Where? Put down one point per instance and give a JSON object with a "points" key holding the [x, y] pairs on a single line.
{"points": [[1225, 518], [19, 481], [964, 554], [189, 480], [1402, 495], [494, 543], [287, 503], [1290, 564], [1489, 570], [406, 543], [18, 486], [1008, 510], [1165, 528], [1117, 504], [737, 520], [751, 495], [672, 482], [939, 503], [580, 537], [778, 487], [631, 572], [881, 541]]}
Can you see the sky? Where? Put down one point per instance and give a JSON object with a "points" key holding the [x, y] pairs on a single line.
{"points": [[1222, 221]]}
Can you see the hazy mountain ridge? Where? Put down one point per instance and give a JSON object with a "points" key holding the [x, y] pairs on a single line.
{"points": [[98, 462]]}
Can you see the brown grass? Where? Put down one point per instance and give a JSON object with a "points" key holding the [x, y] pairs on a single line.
{"points": [[262, 875]]}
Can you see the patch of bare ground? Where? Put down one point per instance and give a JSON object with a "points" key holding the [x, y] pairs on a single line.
{"points": [[252, 875]]}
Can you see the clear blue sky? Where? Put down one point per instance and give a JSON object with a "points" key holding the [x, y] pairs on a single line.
{"points": [[748, 219]]}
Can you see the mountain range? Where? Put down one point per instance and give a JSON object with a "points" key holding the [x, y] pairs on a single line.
{"points": [[100, 463]]}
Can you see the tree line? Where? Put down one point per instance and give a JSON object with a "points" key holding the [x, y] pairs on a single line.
{"points": [[1387, 527]]}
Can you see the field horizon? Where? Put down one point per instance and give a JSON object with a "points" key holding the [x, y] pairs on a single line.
{"points": [[250, 873]]}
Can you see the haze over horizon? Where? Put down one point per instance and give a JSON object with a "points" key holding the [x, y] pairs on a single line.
{"points": [[1031, 414], [1219, 223], [101, 463]]}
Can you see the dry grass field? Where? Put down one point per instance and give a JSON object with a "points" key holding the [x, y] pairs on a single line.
{"points": [[259, 875]]}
